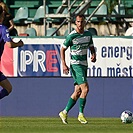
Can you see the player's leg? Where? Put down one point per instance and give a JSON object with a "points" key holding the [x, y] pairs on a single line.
{"points": [[71, 102], [82, 81], [6, 86], [73, 98], [82, 102], [84, 92]]}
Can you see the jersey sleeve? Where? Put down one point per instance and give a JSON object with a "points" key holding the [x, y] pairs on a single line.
{"points": [[5, 34], [67, 42]]}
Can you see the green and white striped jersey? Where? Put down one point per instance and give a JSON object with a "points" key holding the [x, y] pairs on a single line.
{"points": [[79, 44]]}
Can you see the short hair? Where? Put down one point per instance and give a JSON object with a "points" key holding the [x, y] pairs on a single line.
{"points": [[80, 15]]}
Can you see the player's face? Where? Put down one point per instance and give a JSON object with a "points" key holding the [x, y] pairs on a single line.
{"points": [[80, 23]]}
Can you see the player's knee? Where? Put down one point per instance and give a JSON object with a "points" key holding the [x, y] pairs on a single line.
{"points": [[76, 94], [78, 91], [85, 91], [85, 88]]}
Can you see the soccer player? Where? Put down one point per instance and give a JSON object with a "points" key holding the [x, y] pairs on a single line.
{"points": [[79, 41], [5, 39]]}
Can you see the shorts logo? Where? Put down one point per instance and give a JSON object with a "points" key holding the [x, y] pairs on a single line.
{"points": [[83, 78]]}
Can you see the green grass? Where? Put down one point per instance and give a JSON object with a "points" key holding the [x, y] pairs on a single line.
{"points": [[54, 125]]}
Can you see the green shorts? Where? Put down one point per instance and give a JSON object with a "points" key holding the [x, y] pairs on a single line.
{"points": [[79, 74]]}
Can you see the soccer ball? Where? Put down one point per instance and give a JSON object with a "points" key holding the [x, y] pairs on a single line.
{"points": [[127, 116]]}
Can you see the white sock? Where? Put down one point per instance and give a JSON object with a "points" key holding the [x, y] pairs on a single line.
{"points": [[80, 113], [64, 111]]}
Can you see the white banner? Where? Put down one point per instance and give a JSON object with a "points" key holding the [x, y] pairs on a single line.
{"points": [[114, 58]]}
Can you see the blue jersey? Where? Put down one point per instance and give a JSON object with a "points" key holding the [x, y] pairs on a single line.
{"points": [[4, 37]]}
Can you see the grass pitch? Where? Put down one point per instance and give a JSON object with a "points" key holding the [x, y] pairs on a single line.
{"points": [[54, 125]]}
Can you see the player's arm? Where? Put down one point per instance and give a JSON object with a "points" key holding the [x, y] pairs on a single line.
{"points": [[11, 24], [7, 39], [93, 53], [65, 67], [12, 44]]}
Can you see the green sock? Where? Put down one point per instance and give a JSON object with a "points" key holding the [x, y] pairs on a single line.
{"points": [[82, 102], [70, 104]]}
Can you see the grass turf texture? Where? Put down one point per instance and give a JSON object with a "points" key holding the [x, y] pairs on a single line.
{"points": [[54, 125]]}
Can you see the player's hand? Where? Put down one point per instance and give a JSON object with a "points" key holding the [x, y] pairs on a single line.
{"points": [[65, 69], [21, 43], [93, 58]]}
